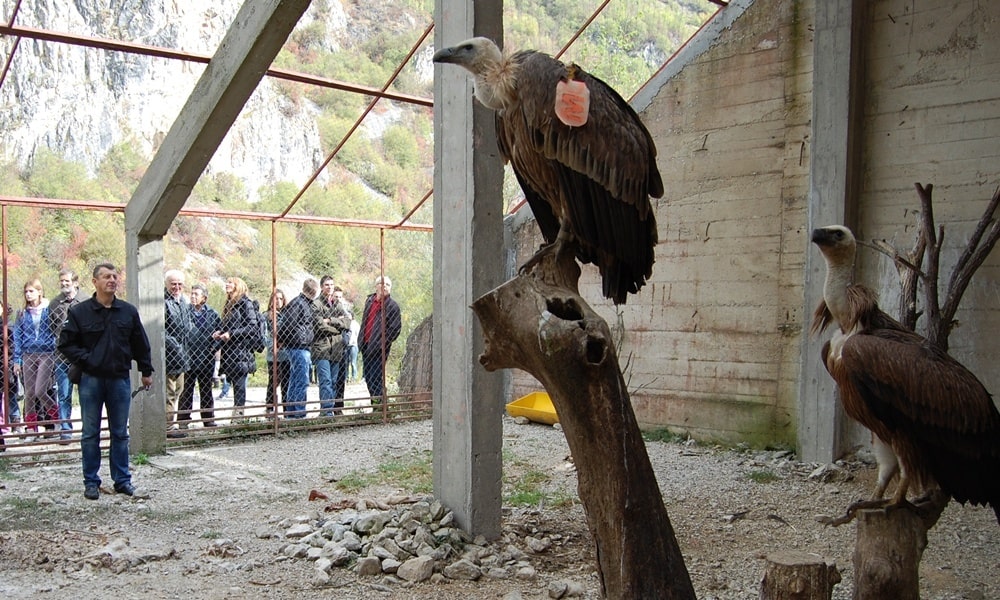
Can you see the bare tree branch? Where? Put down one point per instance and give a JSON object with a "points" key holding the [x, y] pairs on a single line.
{"points": [[932, 306], [976, 252]]}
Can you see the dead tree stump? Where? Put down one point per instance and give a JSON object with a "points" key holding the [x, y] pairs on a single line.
{"points": [[792, 575], [887, 552], [537, 323]]}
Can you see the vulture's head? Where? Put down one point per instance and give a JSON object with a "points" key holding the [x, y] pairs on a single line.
{"points": [[492, 70], [837, 244]]}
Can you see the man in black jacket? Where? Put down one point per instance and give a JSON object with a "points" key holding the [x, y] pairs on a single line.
{"points": [[103, 335], [295, 335]]}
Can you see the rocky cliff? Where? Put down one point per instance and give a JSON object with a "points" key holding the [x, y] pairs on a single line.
{"points": [[80, 102]]}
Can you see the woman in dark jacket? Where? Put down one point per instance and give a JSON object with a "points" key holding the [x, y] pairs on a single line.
{"points": [[238, 330]]}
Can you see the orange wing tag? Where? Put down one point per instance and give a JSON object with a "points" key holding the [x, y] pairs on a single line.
{"points": [[572, 102]]}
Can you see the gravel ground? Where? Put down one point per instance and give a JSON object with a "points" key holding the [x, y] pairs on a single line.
{"points": [[212, 522]]}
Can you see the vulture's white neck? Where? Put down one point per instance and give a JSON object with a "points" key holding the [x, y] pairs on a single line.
{"points": [[496, 82], [839, 276]]}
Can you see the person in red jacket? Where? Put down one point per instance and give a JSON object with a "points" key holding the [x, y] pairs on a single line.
{"points": [[380, 326]]}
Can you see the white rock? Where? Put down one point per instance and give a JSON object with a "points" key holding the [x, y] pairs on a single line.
{"points": [[416, 569]]}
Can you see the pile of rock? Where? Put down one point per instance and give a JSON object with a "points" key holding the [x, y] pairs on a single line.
{"points": [[413, 543]]}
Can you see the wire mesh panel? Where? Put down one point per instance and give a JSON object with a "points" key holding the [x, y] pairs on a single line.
{"points": [[232, 367]]}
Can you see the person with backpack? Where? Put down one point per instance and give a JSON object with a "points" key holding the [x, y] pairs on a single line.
{"points": [[238, 337], [202, 351], [330, 321]]}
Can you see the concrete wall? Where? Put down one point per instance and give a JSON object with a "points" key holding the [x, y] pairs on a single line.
{"points": [[933, 116], [712, 344]]}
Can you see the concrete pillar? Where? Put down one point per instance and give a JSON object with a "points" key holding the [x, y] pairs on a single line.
{"points": [[144, 286], [834, 184], [468, 262], [253, 40]]}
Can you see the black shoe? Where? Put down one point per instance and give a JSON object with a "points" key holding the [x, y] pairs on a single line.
{"points": [[176, 434], [125, 488], [91, 491]]}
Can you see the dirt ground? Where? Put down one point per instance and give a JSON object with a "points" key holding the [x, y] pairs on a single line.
{"points": [[212, 521]]}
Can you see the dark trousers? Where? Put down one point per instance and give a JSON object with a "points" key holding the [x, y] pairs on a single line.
{"points": [[374, 373], [203, 378], [345, 363], [273, 389]]}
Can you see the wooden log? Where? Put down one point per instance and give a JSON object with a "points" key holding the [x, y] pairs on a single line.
{"points": [[539, 323], [887, 552], [795, 575]]}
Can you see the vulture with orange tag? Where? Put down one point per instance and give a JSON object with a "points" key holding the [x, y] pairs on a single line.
{"points": [[586, 163]]}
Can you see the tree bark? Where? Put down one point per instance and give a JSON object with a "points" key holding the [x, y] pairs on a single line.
{"points": [[887, 554], [537, 322], [794, 575]]}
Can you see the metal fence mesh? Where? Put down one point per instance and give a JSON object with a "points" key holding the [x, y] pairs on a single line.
{"points": [[222, 377]]}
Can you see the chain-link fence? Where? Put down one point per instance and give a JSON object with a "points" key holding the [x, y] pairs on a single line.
{"points": [[242, 356]]}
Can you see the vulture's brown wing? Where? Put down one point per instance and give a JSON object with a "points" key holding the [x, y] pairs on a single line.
{"points": [[942, 408], [547, 220], [598, 176]]}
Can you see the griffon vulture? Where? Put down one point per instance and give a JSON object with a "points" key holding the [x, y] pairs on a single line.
{"points": [[585, 161], [936, 416]]}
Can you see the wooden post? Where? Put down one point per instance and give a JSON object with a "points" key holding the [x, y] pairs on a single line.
{"points": [[887, 552], [539, 323], [793, 575]]}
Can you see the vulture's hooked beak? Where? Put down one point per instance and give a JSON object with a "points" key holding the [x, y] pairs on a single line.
{"points": [[447, 55], [828, 236]]}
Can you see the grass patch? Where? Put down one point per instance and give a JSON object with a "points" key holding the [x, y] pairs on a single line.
{"points": [[5, 472], [762, 476], [19, 504], [140, 459], [210, 535], [528, 489], [413, 472], [663, 435]]}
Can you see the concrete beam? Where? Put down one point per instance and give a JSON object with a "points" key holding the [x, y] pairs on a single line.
{"points": [[248, 49], [468, 262], [834, 185], [255, 37]]}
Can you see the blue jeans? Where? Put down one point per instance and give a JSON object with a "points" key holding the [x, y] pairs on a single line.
{"points": [[64, 394], [298, 382], [327, 372], [113, 395], [352, 354]]}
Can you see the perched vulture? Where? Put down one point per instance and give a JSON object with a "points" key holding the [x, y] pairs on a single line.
{"points": [[934, 414], [586, 163]]}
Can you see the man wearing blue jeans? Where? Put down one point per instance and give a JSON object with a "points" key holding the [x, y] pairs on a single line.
{"points": [[69, 287], [295, 336], [330, 320], [103, 335]]}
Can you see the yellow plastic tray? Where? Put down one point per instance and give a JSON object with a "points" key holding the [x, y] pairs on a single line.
{"points": [[536, 406]]}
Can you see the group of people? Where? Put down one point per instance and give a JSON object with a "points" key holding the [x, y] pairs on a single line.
{"points": [[315, 331], [93, 343], [196, 339], [39, 373]]}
